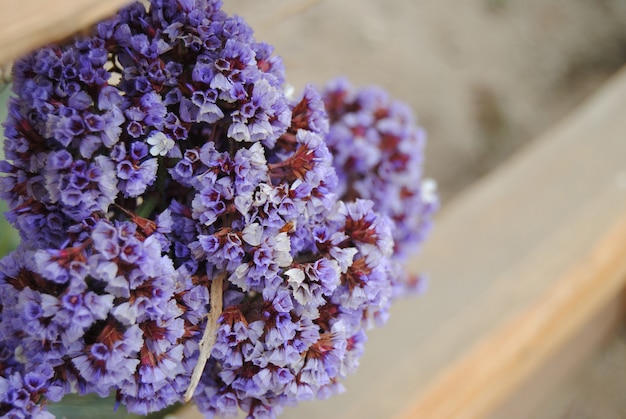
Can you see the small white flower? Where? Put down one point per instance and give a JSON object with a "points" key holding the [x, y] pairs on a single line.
{"points": [[252, 234], [429, 191], [238, 277], [282, 255], [160, 143], [256, 155], [238, 131], [262, 195], [289, 91], [220, 82], [296, 277], [243, 203], [301, 290]]}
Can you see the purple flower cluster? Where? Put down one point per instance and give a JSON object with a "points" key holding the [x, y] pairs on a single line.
{"points": [[145, 163], [378, 155]]}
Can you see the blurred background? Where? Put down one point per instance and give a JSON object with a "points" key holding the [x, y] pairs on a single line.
{"points": [[484, 77]]}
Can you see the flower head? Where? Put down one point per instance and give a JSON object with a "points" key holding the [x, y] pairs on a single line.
{"points": [[156, 167], [378, 154]]}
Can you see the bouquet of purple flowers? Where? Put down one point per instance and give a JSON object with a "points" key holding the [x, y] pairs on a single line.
{"points": [[188, 230]]}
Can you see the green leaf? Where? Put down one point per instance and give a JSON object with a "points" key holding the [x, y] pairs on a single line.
{"points": [[9, 238]]}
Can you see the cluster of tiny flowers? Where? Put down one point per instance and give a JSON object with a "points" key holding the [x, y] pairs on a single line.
{"points": [[151, 160], [377, 150]]}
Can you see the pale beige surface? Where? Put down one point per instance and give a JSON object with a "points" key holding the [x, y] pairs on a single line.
{"points": [[28, 24], [562, 387], [595, 391], [484, 76]]}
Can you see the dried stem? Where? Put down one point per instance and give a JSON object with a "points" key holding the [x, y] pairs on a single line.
{"points": [[210, 334]]}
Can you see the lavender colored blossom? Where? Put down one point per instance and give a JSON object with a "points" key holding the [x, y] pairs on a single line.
{"points": [[20, 393], [378, 155], [158, 157]]}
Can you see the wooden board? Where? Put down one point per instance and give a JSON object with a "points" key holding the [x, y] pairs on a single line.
{"points": [[519, 265], [551, 391], [28, 24]]}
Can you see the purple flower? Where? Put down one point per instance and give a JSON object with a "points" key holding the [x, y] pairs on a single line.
{"points": [[160, 156], [378, 155], [20, 392]]}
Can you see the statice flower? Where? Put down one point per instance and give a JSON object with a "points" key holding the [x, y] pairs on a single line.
{"points": [[378, 154], [183, 234]]}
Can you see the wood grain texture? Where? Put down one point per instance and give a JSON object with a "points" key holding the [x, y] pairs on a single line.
{"points": [[519, 264], [490, 372], [554, 387], [29, 24]]}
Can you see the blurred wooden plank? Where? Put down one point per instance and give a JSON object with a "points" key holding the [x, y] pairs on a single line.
{"points": [[551, 391], [266, 15], [522, 261], [519, 263], [29, 24], [490, 373]]}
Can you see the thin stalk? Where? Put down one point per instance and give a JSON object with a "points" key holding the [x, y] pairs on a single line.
{"points": [[210, 333]]}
